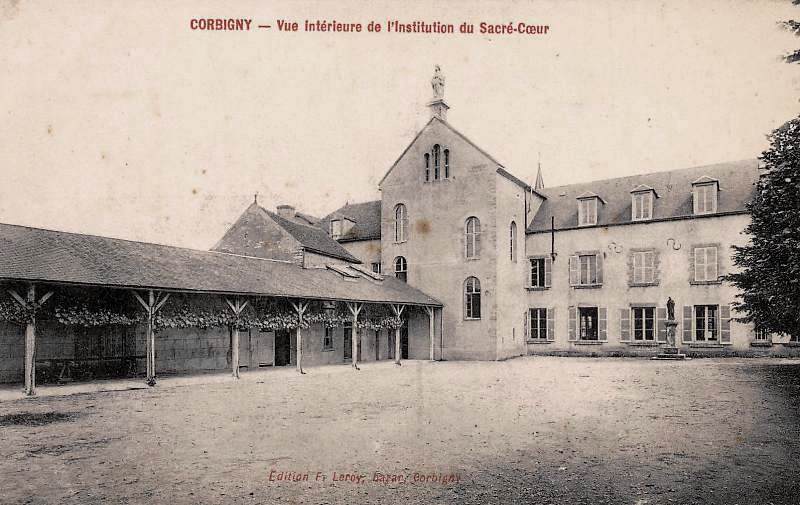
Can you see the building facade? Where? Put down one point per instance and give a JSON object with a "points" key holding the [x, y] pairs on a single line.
{"points": [[579, 269]]}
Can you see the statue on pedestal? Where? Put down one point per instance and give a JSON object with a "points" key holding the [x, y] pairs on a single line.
{"points": [[437, 83], [670, 309]]}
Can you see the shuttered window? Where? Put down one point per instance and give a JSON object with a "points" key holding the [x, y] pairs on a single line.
{"points": [[537, 324], [643, 267], [705, 264], [644, 323]]}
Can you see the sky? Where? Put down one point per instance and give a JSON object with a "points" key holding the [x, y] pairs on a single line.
{"points": [[119, 120]]}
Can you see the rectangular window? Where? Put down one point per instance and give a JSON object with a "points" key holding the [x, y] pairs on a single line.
{"points": [[587, 269], [327, 339], [587, 212], [705, 264], [537, 324], [588, 323], [643, 267], [642, 206], [705, 199], [376, 267], [537, 273], [336, 228], [706, 323], [644, 323]]}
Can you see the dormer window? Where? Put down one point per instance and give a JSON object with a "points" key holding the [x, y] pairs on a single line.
{"points": [[336, 228], [587, 209], [642, 203], [704, 195]]}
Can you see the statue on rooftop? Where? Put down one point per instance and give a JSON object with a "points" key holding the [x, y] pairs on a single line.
{"points": [[438, 83]]}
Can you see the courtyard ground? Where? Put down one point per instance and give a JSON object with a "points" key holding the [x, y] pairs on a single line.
{"points": [[534, 430]]}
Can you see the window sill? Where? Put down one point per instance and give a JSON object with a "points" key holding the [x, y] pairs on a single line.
{"points": [[642, 284], [644, 344], [705, 283], [329, 350], [537, 288], [760, 344], [707, 345], [588, 342], [472, 319], [587, 286], [790, 344], [473, 258], [539, 341], [401, 242]]}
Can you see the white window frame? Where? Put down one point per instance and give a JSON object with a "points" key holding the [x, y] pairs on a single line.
{"points": [[472, 238], [470, 292], [336, 228], [587, 208], [645, 314], [587, 276], [376, 267], [540, 268], [401, 267], [708, 329], [706, 264], [512, 237], [642, 206], [705, 198], [537, 325], [644, 267], [400, 223]]}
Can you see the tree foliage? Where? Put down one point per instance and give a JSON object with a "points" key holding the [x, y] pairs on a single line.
{"points": [[769, 276], [794, 27]]}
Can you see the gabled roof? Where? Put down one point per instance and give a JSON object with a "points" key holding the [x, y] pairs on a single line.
{"points": [[250, 230], [500, 168], [33, 254], [674, 188], [705, 180], [367, 219], [589, 194]]}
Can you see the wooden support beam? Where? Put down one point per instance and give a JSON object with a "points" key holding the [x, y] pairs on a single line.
{"points": [[300, 307], [355, 310], [237, 305], [398, 312], [31, 305], [431, 330], [155, 301]]}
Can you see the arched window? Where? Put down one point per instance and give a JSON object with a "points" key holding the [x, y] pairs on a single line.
{"points": [[447, 163], [400, 222], [427, 167], [472, 235], [401, 268], [512, 241], [437, 155], [472, 298]]}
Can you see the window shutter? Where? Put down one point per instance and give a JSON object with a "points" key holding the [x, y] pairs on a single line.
{"points": [[573, 323], [602, 316], [573, 271], [661, 324], [551, 324], [725, 324], [650, 266], [600, 268], [687, 323], [715, 271], [695, 201], [548, 268], [527, 320], [692, 276], [477, 252], [624, 325]]}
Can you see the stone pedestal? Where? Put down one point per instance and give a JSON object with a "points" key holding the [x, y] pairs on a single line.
{"points": [[670, 350]]}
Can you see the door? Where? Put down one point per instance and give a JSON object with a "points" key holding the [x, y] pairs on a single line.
{"points": [[244, 348], [282, 348], [348, 342]]}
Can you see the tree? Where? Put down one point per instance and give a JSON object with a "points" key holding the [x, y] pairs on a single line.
{"points": [[769, 276], [794, 27]]}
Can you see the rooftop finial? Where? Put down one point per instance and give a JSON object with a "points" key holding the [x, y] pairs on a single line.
{"points": [[539, 181], [437, 105], [255, 198]]}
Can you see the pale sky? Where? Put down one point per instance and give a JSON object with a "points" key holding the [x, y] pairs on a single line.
{"points": [[119, 120]]}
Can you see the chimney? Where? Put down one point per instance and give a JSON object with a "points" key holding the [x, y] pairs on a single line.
{"points": [[286, 211]]}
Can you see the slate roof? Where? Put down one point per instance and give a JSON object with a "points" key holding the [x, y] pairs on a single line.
{"points": [[674, 189], [34, 254], [248, 234], [367, 218]]}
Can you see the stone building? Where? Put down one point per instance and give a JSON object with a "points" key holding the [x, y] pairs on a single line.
{"points": [[578, 269]]}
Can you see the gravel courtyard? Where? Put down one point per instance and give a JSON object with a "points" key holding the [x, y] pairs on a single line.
{"points": [[531, 430]]}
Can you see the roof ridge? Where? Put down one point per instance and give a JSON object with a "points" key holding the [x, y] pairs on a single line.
{"points": [[645, 174], [170, 246]]}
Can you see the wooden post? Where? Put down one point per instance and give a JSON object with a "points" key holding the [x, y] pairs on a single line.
{"points": [[153, 304], [431, 330], [398, 312], [300, 307], [30, 304], [355, 310], [237, 306]]}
